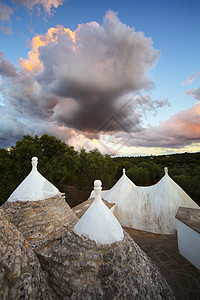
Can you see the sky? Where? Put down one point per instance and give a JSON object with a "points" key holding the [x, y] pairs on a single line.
{"points": [[120, 76]]}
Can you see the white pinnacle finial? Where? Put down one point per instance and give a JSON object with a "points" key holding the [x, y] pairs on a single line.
{"points": [[166, 170], [97, 190], [124, 171], [98, 223], [34, 162], [97, 184]]}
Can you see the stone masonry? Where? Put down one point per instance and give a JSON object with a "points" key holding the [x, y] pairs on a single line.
{"points": [[78, 268], [21, 276], [41, 221], [74, 266]]}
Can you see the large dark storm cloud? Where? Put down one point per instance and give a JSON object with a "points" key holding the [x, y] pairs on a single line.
{"points": [[74, 83], [88, 77]]}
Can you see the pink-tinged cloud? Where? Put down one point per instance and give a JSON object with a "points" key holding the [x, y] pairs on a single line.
{"points": [[179, 130], [195, 93], [183, 127], [191, 78], [5, 12], [47, 5], [6, 29], [34, 64], [7, 69], [5, 15]]}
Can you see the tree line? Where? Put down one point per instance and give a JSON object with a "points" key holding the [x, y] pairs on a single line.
{"points": [[183, 168], [62, 165]]}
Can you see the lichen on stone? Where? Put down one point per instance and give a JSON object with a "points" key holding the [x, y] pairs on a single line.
{"points": [[21, 276], [82, 269], [41, 221]]}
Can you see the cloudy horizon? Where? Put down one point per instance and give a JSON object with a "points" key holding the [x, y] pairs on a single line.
{"points": [[94, 86]]}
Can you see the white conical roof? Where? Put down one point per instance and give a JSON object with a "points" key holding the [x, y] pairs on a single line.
{"points": [[118, 191], [34, 187], [153, 208], [98, 223]]}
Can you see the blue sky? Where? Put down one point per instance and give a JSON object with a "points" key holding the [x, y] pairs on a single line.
{"points": [[169, 125]]}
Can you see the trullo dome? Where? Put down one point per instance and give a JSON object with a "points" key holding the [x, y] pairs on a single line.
{"points": [[97, 219], [82, 266], [21, 276], [34, 187], [38, 209], [153, 208], [123, 186]]}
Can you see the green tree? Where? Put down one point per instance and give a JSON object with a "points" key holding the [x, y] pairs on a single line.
{"points": [[63, 170], [58, 162], [50, 146], [21, 154], [94, 165], [121, 164], [139, 175], [65, 167], [7, 179], [154, 169]]}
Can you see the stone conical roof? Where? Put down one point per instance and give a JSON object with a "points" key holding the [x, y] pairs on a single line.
{"points": [[34, 187], [153, 208], [40, 221], [79, 267], [95, 223], [21, 276]]}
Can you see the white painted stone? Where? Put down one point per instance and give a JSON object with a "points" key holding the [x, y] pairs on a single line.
{"points": [[152, 208], [34, 187], [123, 186], [98, 223], [189, 243]]}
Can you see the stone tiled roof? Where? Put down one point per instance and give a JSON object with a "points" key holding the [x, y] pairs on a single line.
{"points": [[79, 268], [190, 217], [41, 221], [21, 276]]}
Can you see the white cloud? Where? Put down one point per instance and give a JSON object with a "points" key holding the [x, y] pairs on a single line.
{"points": [[195, 93], [47, 5], [191, 78]]}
